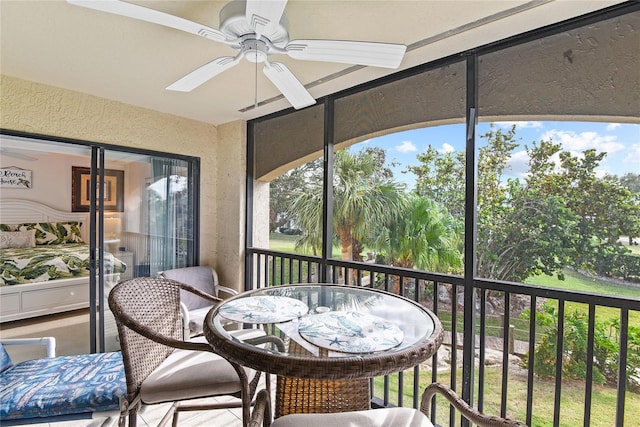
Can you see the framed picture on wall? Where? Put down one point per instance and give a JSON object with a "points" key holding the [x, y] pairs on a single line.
{"points": [[81, 189]]}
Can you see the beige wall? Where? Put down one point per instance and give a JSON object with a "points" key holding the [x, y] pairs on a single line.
{"points": [[36, 108]]}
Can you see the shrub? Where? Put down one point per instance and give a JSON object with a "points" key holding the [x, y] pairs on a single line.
{"points": [[606, 351]]}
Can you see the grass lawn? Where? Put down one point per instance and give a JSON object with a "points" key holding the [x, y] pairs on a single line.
{"points": [[572, 399], [283, 242], [578, 282], [286, 243]]}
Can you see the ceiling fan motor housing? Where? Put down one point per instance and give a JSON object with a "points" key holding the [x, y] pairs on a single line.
{"points": [[254, 50]]}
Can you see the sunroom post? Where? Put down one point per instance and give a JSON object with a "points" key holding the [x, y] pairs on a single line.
{"points": [[468, 349]]}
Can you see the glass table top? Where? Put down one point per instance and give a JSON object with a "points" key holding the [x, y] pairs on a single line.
{"points": [[363, 330]]}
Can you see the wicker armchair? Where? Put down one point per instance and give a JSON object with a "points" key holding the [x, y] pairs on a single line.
{"points": [[406, 417], [194, 309], [161, 367]]}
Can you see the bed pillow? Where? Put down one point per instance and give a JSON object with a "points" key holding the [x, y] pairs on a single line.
{"points": [[17, 239], [5, 359], [55, 233]]}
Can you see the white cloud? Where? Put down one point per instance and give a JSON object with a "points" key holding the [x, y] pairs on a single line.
{"points": [[519, 164], [579, 142], [446, 148], [634, 155], [521, 125], [406, 146], [612, 126]]}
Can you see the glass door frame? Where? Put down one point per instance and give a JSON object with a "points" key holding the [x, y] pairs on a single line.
{"points": [[96, 219]]}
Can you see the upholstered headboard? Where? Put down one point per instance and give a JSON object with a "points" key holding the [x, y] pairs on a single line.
{"points": [[17, 211]]}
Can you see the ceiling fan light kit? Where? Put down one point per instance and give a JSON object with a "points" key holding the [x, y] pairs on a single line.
{"points": [[258, 29]]}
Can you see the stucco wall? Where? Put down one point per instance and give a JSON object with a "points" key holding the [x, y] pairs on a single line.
{"points": [[32, 107], [230, 203]]}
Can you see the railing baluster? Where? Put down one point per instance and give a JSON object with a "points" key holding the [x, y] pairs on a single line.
{"points": [[274, 270], [281, 270], [483, 348], [506, 320], [258, 267], [400, 387], [291, 278], [530, 364], [559, 353], [622, 366], [588, 382], [434, 358], [454, 348]]}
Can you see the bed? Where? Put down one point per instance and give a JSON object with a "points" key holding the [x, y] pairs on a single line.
{"points": [[48, 271]]}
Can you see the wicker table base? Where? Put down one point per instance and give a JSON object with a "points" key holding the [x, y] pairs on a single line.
{"points": [[297, 395]]}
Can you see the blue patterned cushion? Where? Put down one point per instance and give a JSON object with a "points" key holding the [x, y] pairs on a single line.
{"points": [[5, 359], [62, 385]]}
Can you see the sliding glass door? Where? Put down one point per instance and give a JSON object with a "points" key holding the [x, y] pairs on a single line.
{"points": [[134, 213], [149, 221]]}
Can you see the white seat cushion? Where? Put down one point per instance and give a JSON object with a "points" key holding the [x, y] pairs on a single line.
{"points": [[391, 417], [187, 374]]}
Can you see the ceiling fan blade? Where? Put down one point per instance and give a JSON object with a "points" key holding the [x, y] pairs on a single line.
{"points": [[156, 17], [384, 55], [288, 84], [264, 16], [204, 73]]}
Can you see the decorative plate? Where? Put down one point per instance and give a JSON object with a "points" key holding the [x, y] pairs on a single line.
{"points": [[263, 309], [350, 332]]}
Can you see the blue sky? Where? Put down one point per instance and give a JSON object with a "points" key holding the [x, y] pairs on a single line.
{"points": [[620, 141]]}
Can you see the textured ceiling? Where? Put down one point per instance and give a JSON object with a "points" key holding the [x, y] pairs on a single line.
{"points": [[130, 61]]}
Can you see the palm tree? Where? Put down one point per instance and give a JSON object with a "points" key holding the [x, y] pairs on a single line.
{"points": [[424, 236], [364, 198]]}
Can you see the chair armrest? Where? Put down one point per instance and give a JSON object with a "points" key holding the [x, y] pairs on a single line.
{"points": [[49, 342], [267, 339], [186, 330], [467, 411], [261, 414], [226, 290], [200, 293]]}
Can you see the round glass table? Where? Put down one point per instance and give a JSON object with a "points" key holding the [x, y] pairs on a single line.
{"points": [[323, 341]]}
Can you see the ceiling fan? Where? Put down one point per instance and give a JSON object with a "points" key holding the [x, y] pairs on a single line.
{"points": [[258, 29]]}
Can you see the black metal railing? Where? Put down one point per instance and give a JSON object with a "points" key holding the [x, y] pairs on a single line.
{"points": [[509, 328]]}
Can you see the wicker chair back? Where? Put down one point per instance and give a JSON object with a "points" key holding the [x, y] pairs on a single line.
{"points": [[152, 304]]}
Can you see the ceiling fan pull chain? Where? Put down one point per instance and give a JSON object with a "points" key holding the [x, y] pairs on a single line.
{"points": [[255, 105]]}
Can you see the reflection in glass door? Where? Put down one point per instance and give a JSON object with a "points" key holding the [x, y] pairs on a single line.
{"points": [[148, 221]]}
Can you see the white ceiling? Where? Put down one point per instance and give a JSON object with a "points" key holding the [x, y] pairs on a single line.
{"points": [[130, 61]]}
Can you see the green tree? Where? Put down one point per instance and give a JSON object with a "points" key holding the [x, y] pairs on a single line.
{"points": [[561, 213], [364, 197], [425, 235], [441, 177], [628, 218], [605, 208], [632, 182], [283, 188]]}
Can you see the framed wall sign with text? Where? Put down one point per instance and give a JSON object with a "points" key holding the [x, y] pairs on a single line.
{"points": [[15, 177]]}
